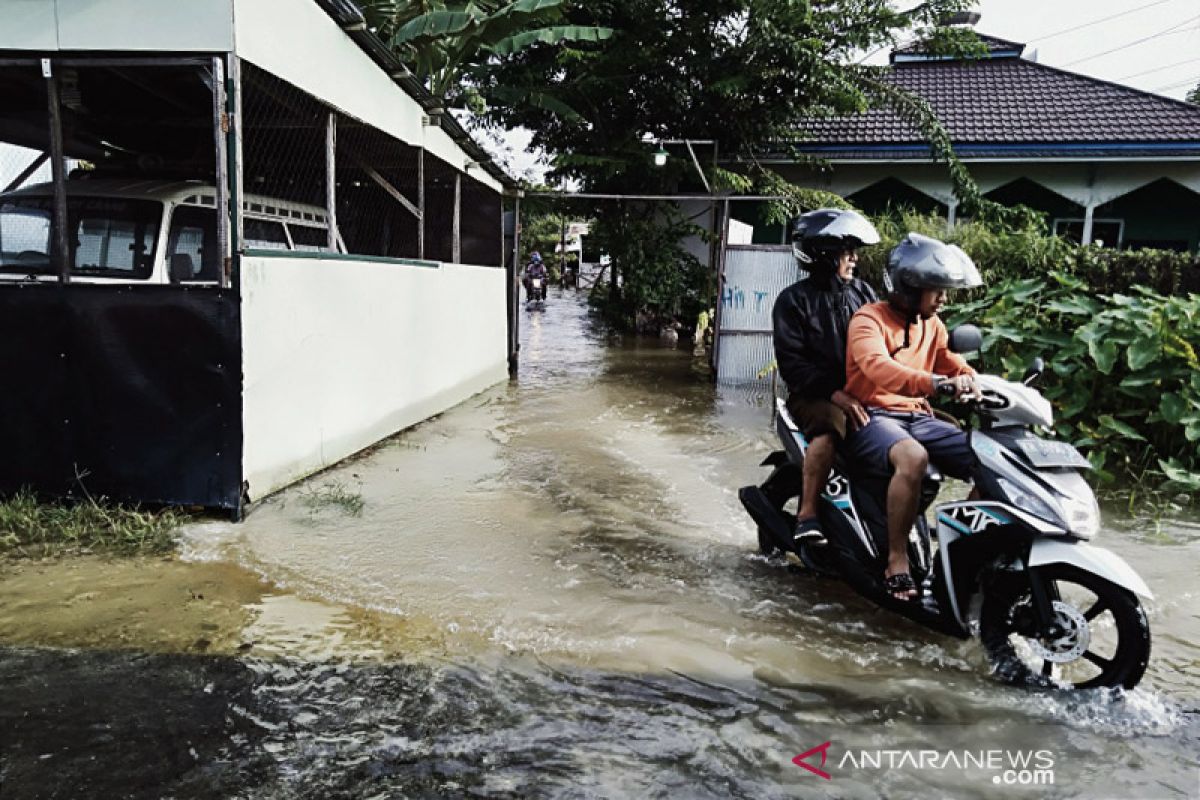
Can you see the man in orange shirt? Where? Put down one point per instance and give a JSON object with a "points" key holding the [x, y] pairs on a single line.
{"points": [[897, 355]]}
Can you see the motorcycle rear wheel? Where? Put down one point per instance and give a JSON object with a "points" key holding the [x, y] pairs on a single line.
{"points": [[1113, 650]]}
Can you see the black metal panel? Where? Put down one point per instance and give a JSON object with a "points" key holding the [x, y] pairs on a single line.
{"points": [[135, 391]]}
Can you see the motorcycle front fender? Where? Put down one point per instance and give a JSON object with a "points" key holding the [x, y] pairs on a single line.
{"points": [[1096, 560]]}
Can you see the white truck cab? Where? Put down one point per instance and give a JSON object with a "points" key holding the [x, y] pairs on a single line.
{"points": [[123, 230]]}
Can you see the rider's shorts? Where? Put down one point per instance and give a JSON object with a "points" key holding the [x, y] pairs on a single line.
{"points": [[817, 417], [946, 444]]}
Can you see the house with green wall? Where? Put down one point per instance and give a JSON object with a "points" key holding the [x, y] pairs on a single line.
{"points": [[1108, 164]]}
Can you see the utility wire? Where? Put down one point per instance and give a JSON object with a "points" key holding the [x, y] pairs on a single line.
{"points": [[1158, 69], [1097, 21], [1168, 32], [1189, 82]]}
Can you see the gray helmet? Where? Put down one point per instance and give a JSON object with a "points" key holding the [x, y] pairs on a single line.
{"points": [[822, 234], [919, 263]]}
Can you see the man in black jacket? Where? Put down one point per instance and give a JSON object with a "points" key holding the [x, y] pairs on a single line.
{"points": [[810, 320]]}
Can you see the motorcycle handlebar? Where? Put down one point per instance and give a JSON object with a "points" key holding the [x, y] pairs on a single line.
{"points": [[948, 389]]}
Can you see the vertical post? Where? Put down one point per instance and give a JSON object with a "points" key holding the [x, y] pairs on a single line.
{"points": [[562, 251], [1088, 213], [514, 291], [951, 215], [233, 91], [724, 246], [331, 179], [456, 244], [712, 212], [421, 197], [220, 132], [61, 252]]}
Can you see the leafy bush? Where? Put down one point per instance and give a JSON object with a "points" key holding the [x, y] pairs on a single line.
{"points": [[658, 279], [1029, 251], [1122, 369]]}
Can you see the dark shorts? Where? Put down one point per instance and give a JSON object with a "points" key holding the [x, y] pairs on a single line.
{"points": [[946, 444], [817, 417]]}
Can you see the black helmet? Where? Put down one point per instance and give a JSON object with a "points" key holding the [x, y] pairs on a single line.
{"points": [[920, 263], [818, 237]]}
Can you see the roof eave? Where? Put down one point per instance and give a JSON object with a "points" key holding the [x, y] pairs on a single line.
{"points": [[350, 19]]}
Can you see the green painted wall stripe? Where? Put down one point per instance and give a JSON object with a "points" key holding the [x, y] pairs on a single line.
{"points": [[410, 262]]}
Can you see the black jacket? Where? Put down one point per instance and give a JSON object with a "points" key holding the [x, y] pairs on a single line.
{"points": [[810, 320]]}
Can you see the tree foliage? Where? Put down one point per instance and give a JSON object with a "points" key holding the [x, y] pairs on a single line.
{"points": [[446, 43], [743, 73]]}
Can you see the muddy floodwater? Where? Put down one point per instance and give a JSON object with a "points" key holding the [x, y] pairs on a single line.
{"points": [[551, 590]]}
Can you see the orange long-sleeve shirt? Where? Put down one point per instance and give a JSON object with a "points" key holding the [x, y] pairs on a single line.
{"points": [[880, 373]]}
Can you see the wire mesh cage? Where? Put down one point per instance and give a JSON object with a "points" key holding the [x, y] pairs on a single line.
{"points": [[482, 241], [378, 191], [440, 179], [22, 166], [284, 132]]}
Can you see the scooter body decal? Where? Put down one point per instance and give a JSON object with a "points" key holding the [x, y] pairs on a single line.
{"points": [[968, 519], [837, 492]]}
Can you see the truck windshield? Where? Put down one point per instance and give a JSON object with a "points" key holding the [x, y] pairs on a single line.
{"points": [[108, 236]]}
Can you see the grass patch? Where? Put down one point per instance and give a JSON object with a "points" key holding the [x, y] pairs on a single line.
{"points": [[29, 527], [334, 495]]}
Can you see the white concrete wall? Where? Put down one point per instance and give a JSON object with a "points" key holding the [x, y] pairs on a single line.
{"points": [[339, 354], [123, 25], [309, 50]]}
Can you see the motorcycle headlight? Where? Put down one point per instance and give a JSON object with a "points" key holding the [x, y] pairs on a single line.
{"points": [[1030, 502], [1082, 516]]}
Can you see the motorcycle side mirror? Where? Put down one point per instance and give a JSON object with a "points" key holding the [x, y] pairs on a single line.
{"points": [[966, 339], [1036, 368]]}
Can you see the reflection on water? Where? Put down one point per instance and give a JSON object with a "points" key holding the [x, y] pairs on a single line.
{"points": [[553, 591]]}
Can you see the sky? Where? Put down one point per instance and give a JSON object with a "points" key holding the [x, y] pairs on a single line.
{"points": [[1154, 44]]}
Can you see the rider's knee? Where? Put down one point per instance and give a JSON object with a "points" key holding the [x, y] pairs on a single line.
{"points": [[823, 443], [909, 458]]}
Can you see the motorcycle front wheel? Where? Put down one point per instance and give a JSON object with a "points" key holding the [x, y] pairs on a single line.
{"points": [[1101, 637]]}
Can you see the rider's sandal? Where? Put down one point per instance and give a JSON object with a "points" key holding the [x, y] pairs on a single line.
{"points": [[901, 583], [808, 530]]}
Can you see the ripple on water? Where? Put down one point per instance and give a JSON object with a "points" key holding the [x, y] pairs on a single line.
{"points": [[577, 533]]}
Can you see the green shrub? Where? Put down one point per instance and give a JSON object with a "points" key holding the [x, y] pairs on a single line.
{"points": [[659, 280], [1003, 253], [1122, 368]]}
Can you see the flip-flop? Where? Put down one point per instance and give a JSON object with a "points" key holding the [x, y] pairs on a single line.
{"points": [[808, 530], [901, 582]]}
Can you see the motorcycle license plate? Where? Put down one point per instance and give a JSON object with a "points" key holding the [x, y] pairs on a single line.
{"points": [[1046, 453], [537, 283]]}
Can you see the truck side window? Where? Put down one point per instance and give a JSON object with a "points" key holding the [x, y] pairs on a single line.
{"points": [[193, 236], [261, 234]]}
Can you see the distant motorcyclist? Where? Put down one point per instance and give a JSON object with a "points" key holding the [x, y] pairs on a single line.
{"points": [[898, 355], [534, 269], [809, 320]]}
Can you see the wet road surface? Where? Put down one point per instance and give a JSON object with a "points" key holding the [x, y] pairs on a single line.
{"points": [[552, 591]]}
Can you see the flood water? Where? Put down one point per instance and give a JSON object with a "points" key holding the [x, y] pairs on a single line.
{"points": [[552, 591]]}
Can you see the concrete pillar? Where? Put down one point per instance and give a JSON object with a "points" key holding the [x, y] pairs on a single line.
{"points": [[1087, 223]]}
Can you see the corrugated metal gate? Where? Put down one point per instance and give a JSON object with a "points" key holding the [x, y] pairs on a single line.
{"points": [[754, 275]]}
